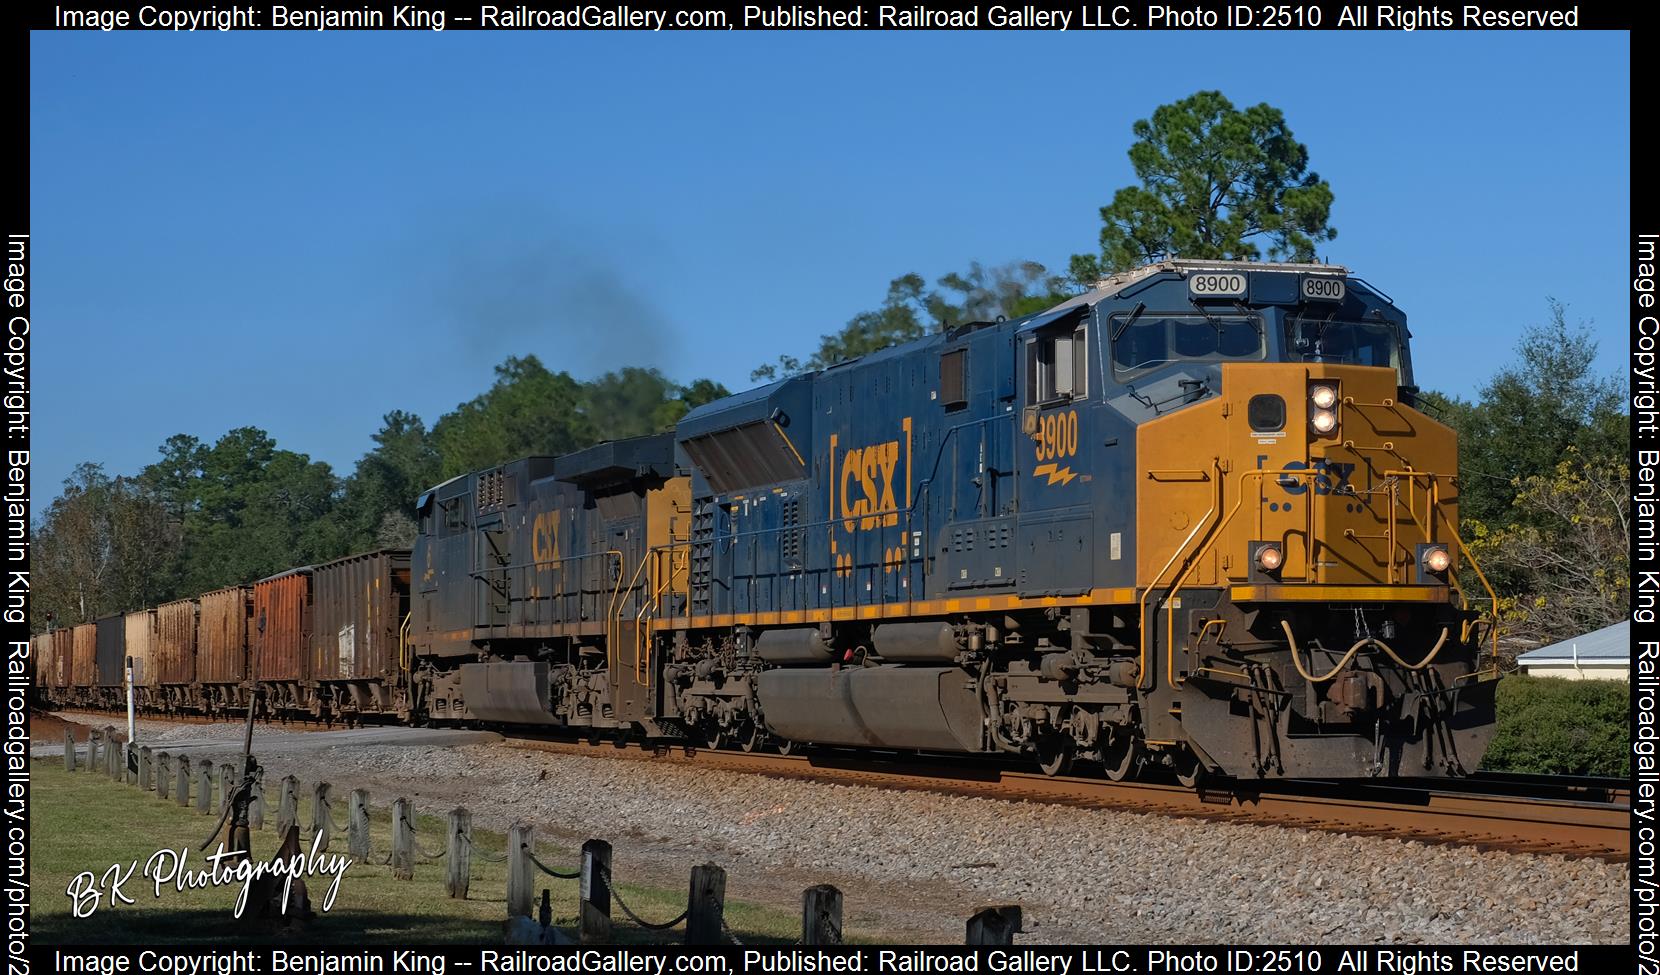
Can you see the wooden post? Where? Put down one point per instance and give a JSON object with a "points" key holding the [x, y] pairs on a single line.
{"points": [[705, 905], [124, 773], [146, 768], [460, 853], [521, 873], [164, 774], [184, 781], [113, 753], [288, 806], [321, 825], [594, 894], [69, 749], [204, 787], [403, 839], [357, 835], [256, 803], [92, 739], [994, 925], [227, 785], [821, 915]]}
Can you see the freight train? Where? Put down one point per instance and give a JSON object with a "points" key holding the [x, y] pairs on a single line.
{"points": [[1191, 518]]}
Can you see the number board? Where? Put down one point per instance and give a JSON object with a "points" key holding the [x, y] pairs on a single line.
{"points": [[1321, 287], [1213, 284]]}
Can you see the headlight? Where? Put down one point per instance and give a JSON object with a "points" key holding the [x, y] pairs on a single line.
{"points": [[1437, 560], [1269, 557], [1323, 421], [1324, 397]]}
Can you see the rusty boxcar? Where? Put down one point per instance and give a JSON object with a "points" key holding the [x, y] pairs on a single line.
{"points": [[83, 666], [359, 604], [111, 657], [52, 667], [174, 655], [140, 632], [41, 651], [222, 647], [279, 640]]}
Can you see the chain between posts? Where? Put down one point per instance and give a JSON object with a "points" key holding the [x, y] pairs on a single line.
{"points": [[328, 807], [616, 896], [574, 875], [430, 857], [478, 854]]}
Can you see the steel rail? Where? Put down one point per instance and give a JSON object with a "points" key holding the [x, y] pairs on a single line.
{"points": [[1432, 813]]}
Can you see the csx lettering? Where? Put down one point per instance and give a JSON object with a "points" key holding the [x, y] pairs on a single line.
{"points": [[544, 537], [1328, 477], [1057, 436], [867, 486]]}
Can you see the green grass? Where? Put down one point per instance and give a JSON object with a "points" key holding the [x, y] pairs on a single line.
{"points": [[84, 822]]}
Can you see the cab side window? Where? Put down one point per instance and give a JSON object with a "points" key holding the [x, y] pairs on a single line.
{"points": [[1057, 366]]}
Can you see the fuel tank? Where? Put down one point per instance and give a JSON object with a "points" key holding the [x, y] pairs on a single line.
{"points": [[885, 707]]}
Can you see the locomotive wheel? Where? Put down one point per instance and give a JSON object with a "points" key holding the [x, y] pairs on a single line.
{"points": [[1055, 754], [1120, 755], [751, 738], [784, 745], [1189, 770]]}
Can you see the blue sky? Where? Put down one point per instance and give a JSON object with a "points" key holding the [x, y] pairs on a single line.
{"points": [[303, 231]]}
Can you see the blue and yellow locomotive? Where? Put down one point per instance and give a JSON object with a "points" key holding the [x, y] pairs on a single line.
{"points": [[1189, 518]]}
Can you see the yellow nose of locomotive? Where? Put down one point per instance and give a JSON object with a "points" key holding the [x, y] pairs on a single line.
{"points": [[1320, 477]]}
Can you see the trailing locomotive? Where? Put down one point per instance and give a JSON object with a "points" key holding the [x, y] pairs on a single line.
{"points": [[1189, 518]]}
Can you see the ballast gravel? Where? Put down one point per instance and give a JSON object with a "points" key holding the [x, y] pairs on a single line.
{"points": [[914, 865]]}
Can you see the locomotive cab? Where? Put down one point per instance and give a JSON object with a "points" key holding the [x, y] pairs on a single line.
{"points": [[1299, 603]]}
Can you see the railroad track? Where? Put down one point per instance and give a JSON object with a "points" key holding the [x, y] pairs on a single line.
{"points": [[1588, 818], [1517, 813]]}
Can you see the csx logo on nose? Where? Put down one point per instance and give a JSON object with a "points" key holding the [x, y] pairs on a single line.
{"points": [[1329, 476], [867, 486]]}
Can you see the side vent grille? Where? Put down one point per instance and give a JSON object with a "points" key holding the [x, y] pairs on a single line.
{"points": [[491, 491]]}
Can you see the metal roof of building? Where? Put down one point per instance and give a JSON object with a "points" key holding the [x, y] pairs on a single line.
{"points": [[1611, 643]]}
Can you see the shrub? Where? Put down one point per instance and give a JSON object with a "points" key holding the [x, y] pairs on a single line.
{"points": [[1555, 726]]}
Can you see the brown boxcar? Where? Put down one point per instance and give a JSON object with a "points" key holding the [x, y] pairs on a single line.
{"points": [[279, 638], [112, 652], [52, 667], [175, 648], [140, 627], [358, 606], [222, 644], [83, 665], [40, 651]]}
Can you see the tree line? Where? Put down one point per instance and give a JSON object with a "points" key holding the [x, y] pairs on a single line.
{"points": [[1544, 445], [208, 515]]}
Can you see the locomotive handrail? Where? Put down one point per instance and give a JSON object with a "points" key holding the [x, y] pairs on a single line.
{"points": [[920, 500], [612, 650], [1452, 577], [549, 565], [1141, 663], [1192, 560]]}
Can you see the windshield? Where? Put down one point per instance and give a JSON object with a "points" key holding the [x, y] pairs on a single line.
{"points": [[1145, 342], [1350, 343]]}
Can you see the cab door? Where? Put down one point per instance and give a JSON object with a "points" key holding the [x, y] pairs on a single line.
{"points": [[1056, 533]]}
